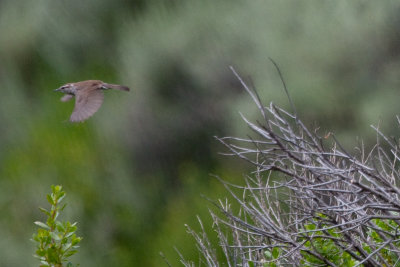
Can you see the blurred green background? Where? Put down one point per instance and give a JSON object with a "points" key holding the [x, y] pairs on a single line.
{"points": [[134, 172]]}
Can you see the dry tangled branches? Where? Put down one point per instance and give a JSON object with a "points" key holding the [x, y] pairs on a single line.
{"points": [[306, 204]]}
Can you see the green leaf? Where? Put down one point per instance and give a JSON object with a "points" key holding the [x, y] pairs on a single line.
{"points": [[56, 189], [67, 246], [275, 252], [56, 215], [69, 234], [35, 238], [50, 200], [310, 227], [53, 255], [40, 252], [61, 196], [268, 254], [63, 207], [76, 240], [70, 253], [60, 227], [45, 211], [55, 236], [50, 222], [43, 225]]}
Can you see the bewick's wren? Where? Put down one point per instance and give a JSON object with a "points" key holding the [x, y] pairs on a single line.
{"points": [[89, 97]]}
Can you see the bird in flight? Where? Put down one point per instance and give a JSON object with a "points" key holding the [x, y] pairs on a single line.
{"points": [[88, 97]]}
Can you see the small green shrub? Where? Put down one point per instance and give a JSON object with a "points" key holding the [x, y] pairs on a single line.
{"points": [[55, 240]]}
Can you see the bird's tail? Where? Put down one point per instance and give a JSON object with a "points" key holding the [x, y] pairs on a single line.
{"points": [[115, 86]]}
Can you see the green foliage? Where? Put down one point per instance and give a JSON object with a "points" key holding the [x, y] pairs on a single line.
{"points": [[390, 227], [55, 240], [270, 256], [322, 242]]}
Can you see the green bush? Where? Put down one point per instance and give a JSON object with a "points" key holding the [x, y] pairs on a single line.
{"points": [[55, 240]]}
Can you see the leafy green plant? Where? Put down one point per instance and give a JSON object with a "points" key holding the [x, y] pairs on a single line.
{"points": [[322, 242], [55, 240], [271, 255]]}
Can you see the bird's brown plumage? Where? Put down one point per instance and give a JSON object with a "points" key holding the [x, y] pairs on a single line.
{"points": [[88, 97]]}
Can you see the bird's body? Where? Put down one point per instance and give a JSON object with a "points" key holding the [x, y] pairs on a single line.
{"points": [[88, 97]]}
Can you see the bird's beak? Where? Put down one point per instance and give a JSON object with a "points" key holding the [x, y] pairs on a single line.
{"points": [[56, 90]]}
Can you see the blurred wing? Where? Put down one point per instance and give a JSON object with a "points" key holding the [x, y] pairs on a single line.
{"points": [[86, 105], [66, 98]]}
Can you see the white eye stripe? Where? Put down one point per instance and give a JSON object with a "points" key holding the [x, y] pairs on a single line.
{"points": [[67, 85]]}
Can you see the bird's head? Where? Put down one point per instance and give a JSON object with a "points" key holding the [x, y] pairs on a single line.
{"points": [[68, 88]]}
